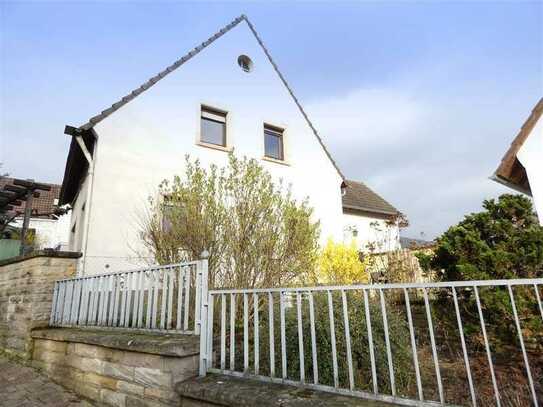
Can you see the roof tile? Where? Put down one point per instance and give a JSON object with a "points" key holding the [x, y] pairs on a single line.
{"points": [[45, 204], [359, 197]]}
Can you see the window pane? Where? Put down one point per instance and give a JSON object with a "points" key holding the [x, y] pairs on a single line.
{"points": [[212, 115], [167, 212], [273, 145], [213, 132]]}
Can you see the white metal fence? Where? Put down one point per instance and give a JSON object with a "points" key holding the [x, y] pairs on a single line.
{"points": [[384, 342], [346, 339], [155, 298]]}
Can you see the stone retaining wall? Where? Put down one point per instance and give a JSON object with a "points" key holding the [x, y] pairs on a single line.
{"points": [[126, 370], [26, 292]]}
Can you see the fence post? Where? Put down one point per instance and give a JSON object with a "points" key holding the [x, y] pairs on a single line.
{"points": [[203, 312], [54, 305]]}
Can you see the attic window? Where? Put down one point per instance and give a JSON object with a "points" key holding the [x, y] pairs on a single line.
{"points": [[245, 63]]}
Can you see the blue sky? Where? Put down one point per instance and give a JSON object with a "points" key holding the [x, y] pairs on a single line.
{"points": [[418, 99]]}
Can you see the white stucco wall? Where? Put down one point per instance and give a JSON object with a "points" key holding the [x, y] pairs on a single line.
{"points": [[146, 141], [370, 230], [530, 155], [51, 233]]}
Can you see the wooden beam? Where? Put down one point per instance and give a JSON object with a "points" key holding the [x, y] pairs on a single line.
{"points": [[31, 184], [14, 188], [8, 195]]}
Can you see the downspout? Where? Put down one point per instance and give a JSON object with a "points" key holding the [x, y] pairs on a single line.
{"points": [[76, 133]]}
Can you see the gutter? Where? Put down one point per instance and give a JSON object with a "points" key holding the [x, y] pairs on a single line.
{"points": [[77, 134]]}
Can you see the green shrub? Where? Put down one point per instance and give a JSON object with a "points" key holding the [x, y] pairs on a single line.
{"points": [[504, 241], [398, 333]]}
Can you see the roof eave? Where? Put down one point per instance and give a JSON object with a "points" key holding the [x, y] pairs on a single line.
{"points": [[74, 173], [371, 210], [506, 168], [147, 85], [506, 182]]}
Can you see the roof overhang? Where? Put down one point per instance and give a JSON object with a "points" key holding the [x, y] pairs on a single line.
{"points": [[76, 165], [516, 186], [511, 172]]}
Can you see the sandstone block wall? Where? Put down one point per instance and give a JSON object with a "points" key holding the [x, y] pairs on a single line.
{"points": [[26, 291], [117, 368], [112, 376]]}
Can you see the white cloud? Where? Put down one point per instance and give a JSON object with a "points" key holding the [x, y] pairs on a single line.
{"points": [[430, 159], [368, 116]]}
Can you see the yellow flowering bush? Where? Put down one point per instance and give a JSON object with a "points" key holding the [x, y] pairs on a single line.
{"points": [[339, 263]]}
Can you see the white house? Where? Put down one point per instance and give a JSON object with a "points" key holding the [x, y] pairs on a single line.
{"points": [[369, 220], [51, 229], [522, 165], [227, 93]]}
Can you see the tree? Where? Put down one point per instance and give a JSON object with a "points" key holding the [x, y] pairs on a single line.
{"points": [[256, 233], [504, 241], [340, 263]]}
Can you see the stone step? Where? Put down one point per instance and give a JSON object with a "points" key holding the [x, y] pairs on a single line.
{"points": [[230, 391]]}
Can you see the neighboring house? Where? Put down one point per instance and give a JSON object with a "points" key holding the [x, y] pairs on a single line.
{"points": [[51, 230], [369, 220], [225, 94], [522, 166]]}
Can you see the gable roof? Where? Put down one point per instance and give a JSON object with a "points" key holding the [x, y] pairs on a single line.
{"points": [[43, 206], [148, 84], [359, 197], [510, 171], [136, 92]]}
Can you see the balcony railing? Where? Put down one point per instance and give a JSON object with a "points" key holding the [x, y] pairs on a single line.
{"points": [[165, 298]]}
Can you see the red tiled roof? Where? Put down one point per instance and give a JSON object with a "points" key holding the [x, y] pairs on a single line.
{"points": [[42, 206]]}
